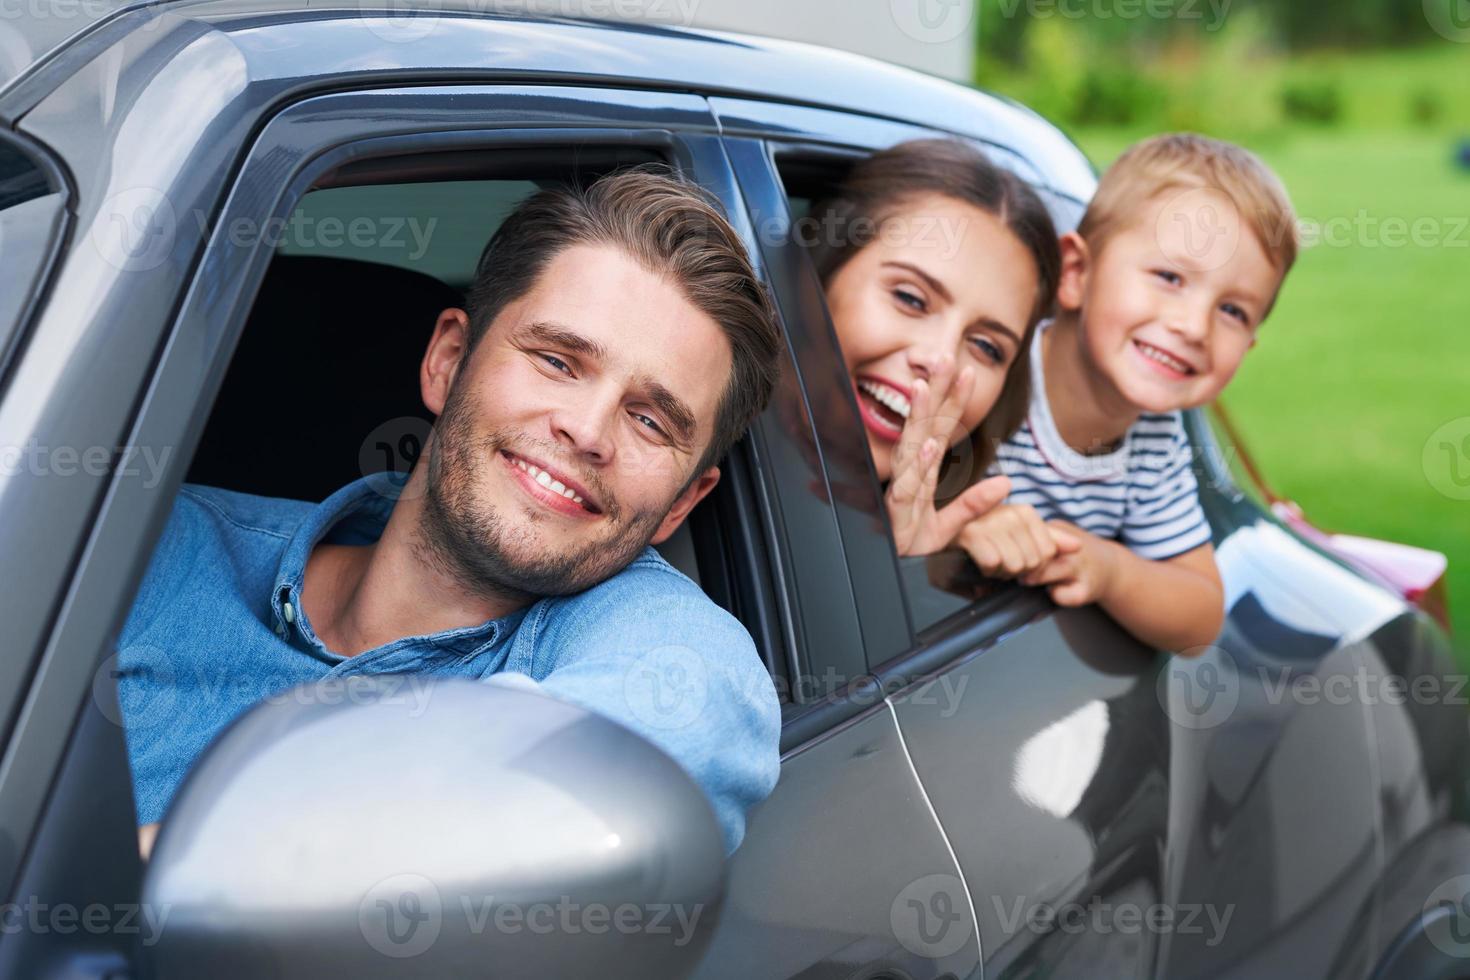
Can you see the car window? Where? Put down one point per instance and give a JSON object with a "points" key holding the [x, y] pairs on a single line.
{"points": [[940, 586], [31, 206], [436, 228], [358, 277]]}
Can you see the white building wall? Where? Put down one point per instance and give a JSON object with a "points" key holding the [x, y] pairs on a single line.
{"points": [[934, 36]]}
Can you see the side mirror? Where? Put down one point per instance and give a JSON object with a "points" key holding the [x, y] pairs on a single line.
{"points": [[408, 826]]}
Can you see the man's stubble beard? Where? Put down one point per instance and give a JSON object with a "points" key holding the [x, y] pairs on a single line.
{"points": [[474, 542]]}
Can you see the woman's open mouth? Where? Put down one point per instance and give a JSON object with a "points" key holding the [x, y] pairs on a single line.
{"points": [[884, 407]]}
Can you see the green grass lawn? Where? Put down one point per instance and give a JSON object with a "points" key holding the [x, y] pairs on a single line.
{"points": [[1368, 350]]}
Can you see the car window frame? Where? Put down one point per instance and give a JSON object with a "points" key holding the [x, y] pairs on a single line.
{"points": [[294, 147], [757, 135], [58, 224]]}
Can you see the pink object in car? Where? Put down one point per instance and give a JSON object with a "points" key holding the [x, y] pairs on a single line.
{"points": [[1417, 574]]}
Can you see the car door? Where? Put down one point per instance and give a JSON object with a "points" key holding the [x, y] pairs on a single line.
{"points": [[843, 871], [975, 687], [175, 287], [1113, 810]]}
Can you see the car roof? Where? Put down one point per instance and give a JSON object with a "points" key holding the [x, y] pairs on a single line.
{"points": [[471, 39]]}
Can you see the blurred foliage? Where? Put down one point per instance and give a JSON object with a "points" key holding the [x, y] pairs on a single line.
{"points": [[1426, 108], [1311, 101], [1361, 106], [1233, 70], [1364, 356], [1298, 25]]}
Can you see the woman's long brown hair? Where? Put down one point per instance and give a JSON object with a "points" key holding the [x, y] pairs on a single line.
{"points": [[877, 188]]}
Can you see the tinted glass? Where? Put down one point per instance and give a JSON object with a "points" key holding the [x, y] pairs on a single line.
{"points": [[936, 586], [30, 213]]}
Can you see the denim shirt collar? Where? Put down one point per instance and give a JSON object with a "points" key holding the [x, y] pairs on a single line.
{"points": [[356, 515]]}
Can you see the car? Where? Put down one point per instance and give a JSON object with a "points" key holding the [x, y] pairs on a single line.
{"points": [[226, 229]]}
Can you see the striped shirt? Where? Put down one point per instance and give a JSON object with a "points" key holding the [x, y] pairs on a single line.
{"points": [[1142, 494]]}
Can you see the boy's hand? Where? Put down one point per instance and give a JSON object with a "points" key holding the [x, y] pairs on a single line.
{"points": [[1012, 541], [1083, 574], [918, 527]]}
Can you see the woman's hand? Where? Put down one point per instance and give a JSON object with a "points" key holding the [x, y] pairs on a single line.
{"points": [[934, 414]]}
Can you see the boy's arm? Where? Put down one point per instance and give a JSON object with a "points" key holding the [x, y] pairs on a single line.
{"points": [[1174, 603]]}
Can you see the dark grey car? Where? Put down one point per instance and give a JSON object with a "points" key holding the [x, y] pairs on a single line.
{"points": [[970, 787]]}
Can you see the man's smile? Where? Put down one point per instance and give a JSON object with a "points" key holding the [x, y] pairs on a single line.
{"points": [[554, 490]]}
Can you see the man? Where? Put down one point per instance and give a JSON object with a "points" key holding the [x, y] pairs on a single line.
{"points": [[616, 344]]}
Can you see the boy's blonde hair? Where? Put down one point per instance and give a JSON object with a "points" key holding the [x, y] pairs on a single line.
{"points": [[1184, 161]]}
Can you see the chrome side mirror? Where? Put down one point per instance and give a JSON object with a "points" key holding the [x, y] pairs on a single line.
{"points": [[407, 826]]}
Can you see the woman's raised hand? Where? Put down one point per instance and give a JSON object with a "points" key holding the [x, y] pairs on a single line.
{"points": [[934, 414]]}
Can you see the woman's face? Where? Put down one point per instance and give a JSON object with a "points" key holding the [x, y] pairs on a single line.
{"points": [[941, 277]]}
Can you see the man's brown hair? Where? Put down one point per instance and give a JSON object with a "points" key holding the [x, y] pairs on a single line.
{"points": [[671, 228]]}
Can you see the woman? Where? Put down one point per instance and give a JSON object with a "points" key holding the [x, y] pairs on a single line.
{"points": [[937, 265]]}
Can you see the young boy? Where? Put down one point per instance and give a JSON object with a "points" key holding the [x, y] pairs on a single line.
{"points": [[1177, 261]]}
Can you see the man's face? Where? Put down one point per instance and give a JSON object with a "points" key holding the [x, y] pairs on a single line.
{"points": [[568, 437], [1170, 304]]}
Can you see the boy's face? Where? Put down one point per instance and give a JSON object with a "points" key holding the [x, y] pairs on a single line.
{"points": [[1170, 303]]}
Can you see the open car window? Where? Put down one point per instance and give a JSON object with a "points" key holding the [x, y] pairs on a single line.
{"points": [[359, 274], [32, 207], [435, 228], [937, 587]]}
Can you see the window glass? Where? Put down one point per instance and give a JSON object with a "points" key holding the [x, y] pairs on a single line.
{"points": [[328, 299], [30, 211], [435, 228], [936, 586]]}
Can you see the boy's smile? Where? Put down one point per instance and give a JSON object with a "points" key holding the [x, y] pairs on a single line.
{"points": [[1163, 323]]}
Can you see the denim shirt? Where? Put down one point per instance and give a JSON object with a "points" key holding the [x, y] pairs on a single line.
{"points": [[218, 625]]}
